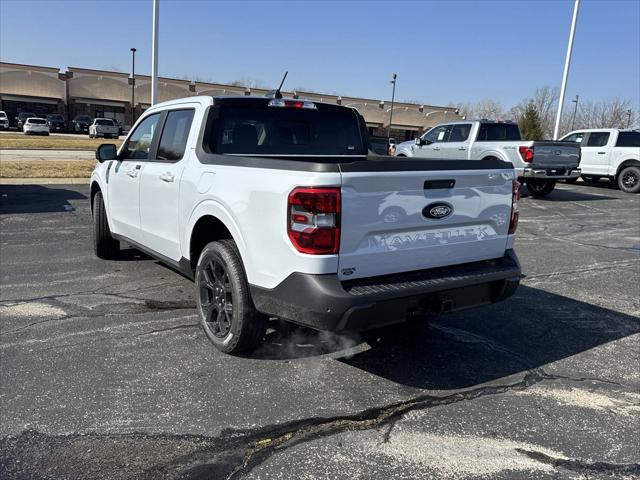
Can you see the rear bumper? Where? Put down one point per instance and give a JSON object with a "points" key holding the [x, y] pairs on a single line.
{"points": [[324, 302], [551, 173]]}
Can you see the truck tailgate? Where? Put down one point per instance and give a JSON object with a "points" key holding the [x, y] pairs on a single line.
{"points": [[549, 154], [390, 216]]}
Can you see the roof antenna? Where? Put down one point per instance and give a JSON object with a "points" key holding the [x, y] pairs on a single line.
{"points": [[276, 93]]}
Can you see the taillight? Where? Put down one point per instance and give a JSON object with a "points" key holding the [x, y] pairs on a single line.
{"points": [[313, 222], [526, 153], [515, 209]]}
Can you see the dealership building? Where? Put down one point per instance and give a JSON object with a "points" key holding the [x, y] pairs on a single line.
{"points": [[101, 93]]}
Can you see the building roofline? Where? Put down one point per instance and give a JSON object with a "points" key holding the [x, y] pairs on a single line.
{"points": [[98, 72], [32, 67]]}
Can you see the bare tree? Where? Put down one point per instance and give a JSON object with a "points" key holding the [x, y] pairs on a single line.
{"points": [[545, 99], [486, 108], [610, 113]]}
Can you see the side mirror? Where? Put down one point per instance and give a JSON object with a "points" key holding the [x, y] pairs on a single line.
{"points": [[421, 141], [106, 151]]}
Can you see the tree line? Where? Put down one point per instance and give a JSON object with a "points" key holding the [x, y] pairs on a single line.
{"points": [[536, 115]]}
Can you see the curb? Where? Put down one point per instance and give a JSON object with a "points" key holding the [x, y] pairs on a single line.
{"points": [[44, 181]]}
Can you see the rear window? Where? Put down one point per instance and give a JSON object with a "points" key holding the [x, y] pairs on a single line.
{"points": [[628, 139], [497, 132], [104, 122], [263, 130], [54, 117], [83, 118], [26, 115], [36, 121]]}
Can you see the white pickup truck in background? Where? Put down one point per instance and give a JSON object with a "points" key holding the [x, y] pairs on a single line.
{"points": [[276, 209], [610, 153], [539, 164]]}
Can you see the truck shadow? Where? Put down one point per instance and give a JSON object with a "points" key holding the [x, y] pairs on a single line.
{"points": [[463, 349], [566, 195], [37, 199]]}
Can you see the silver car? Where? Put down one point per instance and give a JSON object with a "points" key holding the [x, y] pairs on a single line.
{"points": [[103, 127]]}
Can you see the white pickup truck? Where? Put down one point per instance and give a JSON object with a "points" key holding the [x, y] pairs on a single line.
{"points": [[611, 153], [275, 209], [539, 164]]}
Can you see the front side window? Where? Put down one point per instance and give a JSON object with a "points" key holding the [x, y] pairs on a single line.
{"points": [[139, 142], [598, 139], [628, 139], [460, 132], [574, 137], [438, 134], [175, 134]]}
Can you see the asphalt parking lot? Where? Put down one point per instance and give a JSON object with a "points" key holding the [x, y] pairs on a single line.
{"points": [[106, 374]]}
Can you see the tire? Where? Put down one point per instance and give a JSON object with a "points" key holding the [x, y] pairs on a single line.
{"points": [[540, 188], [629, 179], [220, 281], [104, 245]]}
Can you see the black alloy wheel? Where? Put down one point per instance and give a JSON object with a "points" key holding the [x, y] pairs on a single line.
{"points": [[216, 298]]}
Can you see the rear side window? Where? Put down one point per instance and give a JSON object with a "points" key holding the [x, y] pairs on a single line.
{"points": [[175, 134], [499, 132], [139, 142], [460, 132], [598, 139], [628, 139], [263, 130]]}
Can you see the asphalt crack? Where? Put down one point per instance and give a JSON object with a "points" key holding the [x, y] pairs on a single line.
{"points": [[580, 466]]}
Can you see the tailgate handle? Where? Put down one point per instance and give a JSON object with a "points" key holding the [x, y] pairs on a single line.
{"points": [[434, 184]]}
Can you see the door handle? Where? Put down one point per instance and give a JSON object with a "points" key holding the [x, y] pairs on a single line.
{"points": [[436, 148], [601, 153], [167, 177], [132, 173], [462, 148]]}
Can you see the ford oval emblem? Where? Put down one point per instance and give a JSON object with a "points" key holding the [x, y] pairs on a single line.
{"points": [[437, 211]]}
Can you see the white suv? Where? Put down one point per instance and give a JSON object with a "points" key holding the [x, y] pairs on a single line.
{"points": [[274, 208]]}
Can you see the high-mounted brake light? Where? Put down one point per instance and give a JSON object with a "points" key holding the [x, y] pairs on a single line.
{"points": [[526, 153], [313, 222], [515, 208], [279, 102]]}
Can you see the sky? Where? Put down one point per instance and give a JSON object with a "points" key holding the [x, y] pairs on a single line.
{"points": [[442, 51]]}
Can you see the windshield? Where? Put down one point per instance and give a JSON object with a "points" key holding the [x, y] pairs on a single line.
{"points": [[36, 121], [499, 132], [284, 131], [104, 122], [83, 118], [3, 115], [55, 117]]}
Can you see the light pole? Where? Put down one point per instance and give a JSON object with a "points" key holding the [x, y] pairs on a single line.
{"points": [[133, 86], [567, 63], [575, 110], [393, 95], [154, 53], [628, 118]]}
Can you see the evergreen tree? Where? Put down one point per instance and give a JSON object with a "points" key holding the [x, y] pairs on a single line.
{"points": [[530, 123]]}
